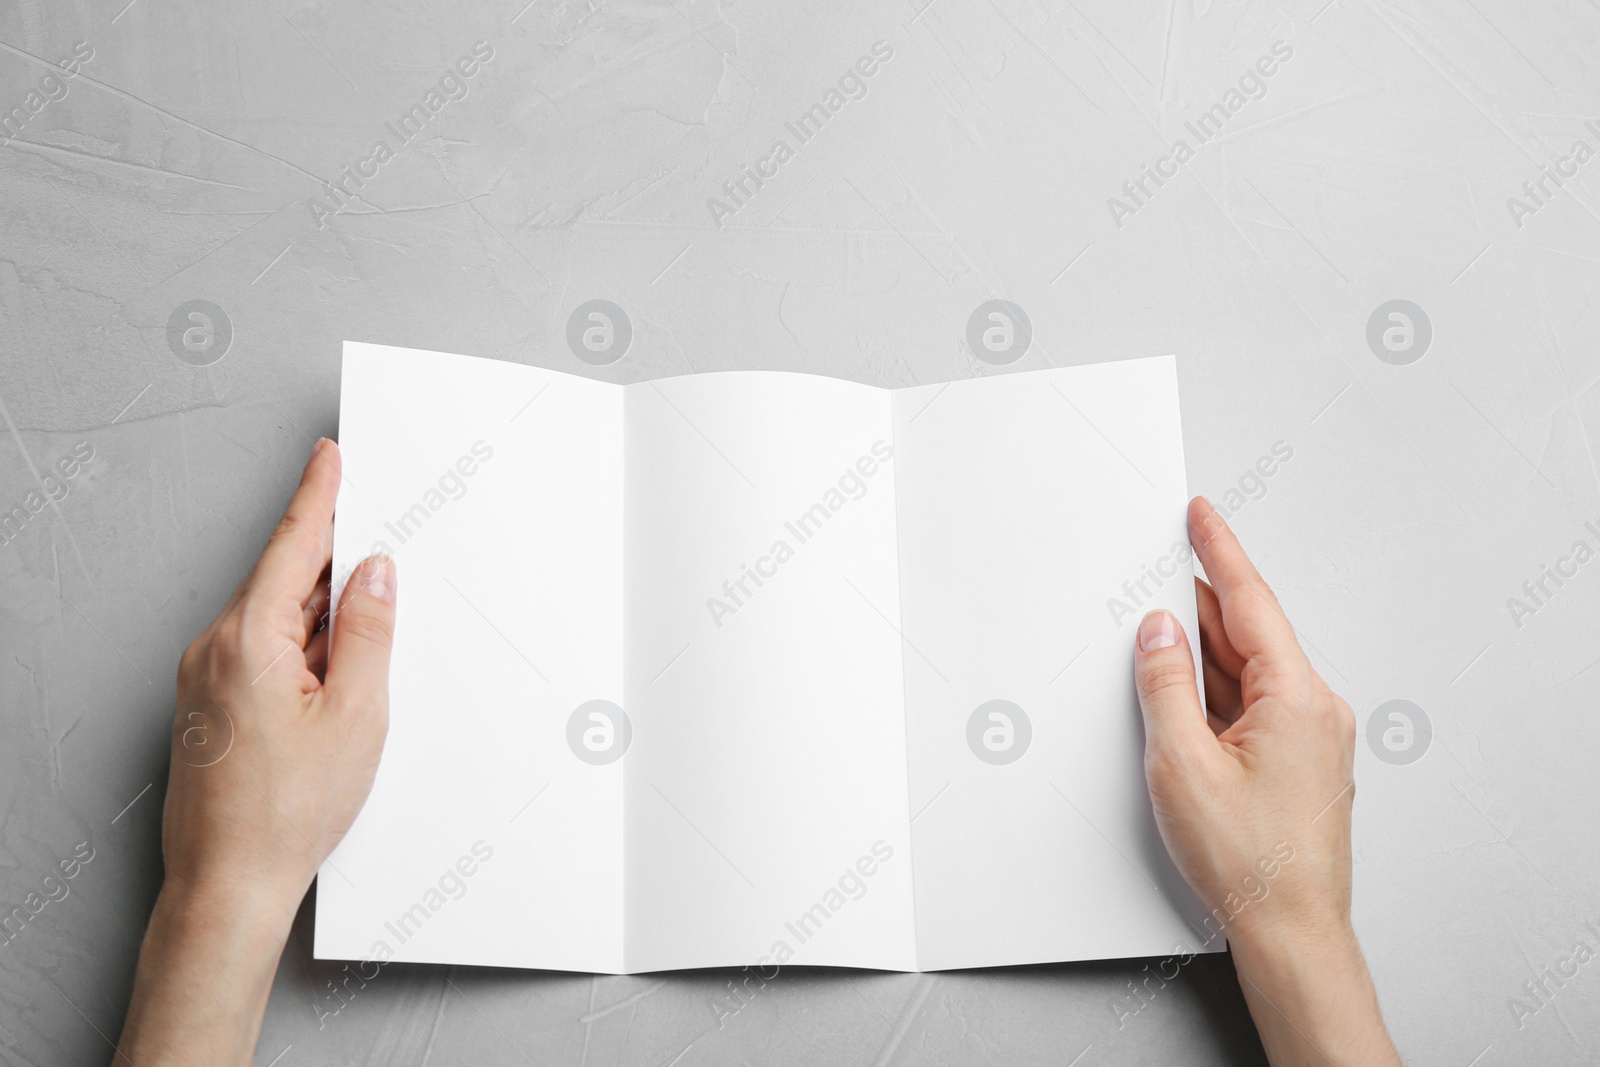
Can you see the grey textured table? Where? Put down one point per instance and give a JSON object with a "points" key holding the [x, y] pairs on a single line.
{"points": [[1442, 464]]}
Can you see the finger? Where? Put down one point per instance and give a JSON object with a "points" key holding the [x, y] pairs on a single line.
{"points": [[327, 536], [317, 654], [300, 547], [1253, 622], [1223, 700], [1163, 670], [363, 632], [314, 612], [1213, 634]]}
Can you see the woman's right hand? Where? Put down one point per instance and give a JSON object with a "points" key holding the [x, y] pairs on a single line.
{"points": [[1253, 795]]}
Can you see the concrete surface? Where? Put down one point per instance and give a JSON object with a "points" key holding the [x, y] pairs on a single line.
{"points": [[185, 161]]}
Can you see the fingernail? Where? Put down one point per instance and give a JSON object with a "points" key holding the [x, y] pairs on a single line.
{"points": [[316, 448], [1158, 630], [1213, 521], [376, 577]]}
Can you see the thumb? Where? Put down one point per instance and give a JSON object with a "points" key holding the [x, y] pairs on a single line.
{"points": [[1163, 670], [363, 631]]}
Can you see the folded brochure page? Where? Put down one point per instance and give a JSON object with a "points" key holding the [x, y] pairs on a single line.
{"points": [[768, 667]]}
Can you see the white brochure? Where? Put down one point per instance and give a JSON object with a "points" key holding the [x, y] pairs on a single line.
{"points": [[760, 667]]}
